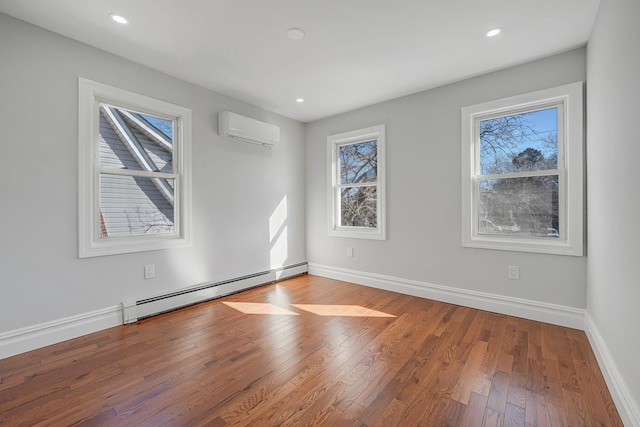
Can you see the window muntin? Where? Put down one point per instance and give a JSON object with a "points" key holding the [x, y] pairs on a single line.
{"points": [[523, 173], [134, 172], [357, 183]]}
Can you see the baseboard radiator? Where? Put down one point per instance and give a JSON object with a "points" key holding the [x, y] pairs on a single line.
{"points": [[133, 311]]}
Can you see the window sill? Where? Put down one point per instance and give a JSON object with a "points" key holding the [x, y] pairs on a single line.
{"points": [[359, 234], [115, 245], [542, 245]]}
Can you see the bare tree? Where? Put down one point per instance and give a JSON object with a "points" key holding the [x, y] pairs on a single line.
{"points": [[359, 166], [528, 203], [519, 204]]}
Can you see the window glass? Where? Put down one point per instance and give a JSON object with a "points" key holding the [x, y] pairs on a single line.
{"points": [[129, 140], [510, 144], [519, 142], [359, 162], [134, 206], [358, 207], [163, 125], [519, 207]]}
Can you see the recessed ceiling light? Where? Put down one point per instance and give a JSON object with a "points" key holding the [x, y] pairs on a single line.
{"points": [[295, 33], [299, 100], [494, 32], [118, 18]]}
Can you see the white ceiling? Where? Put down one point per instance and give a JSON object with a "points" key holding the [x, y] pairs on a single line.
{"points": [[355, 53]]}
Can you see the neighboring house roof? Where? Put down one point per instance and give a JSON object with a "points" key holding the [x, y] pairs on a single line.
{"points": [[131, 205]]}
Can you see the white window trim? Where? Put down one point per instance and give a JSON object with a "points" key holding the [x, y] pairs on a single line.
{"points": [[352, 137], [570, 172], [90, 95]]}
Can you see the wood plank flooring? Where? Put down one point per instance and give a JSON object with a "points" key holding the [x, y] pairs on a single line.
{"points": [[312, 351]]}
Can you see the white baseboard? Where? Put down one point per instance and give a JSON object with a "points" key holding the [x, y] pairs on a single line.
{"points": [[44, 334], [535, 310], [625, 403], [36, 336]]}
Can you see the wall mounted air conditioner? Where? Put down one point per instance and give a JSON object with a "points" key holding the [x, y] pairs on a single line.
{"points": [[247, 129]]}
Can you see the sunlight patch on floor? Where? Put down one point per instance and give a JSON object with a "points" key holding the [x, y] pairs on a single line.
{"points": [[317, 309], [259, 308], [341, 310]]}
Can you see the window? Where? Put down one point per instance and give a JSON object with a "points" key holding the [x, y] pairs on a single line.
{"points": [[522, 172], [134, 179], [357, 190]]}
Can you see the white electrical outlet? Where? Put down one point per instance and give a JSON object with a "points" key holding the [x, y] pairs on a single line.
{"points": [[514, 272], [349, 252], [149, 271]]}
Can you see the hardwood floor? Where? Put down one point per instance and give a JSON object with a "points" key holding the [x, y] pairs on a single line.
{"points": [[312, 351]]}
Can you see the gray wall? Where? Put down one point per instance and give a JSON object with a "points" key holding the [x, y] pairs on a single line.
{"points": [[613, 150], [424, 192], [236, 186]]}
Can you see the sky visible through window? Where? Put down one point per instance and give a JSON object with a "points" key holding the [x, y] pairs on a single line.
{"points": [[506, 141], [163, 125], [545, 125]]}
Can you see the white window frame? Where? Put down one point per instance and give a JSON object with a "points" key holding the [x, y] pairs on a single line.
{"points": [[570, 171], [90, 95], [333, 144]]}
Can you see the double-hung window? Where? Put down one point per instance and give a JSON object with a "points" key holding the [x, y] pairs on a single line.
{"points": [[357, 189], [134, 155], [522, 172]]}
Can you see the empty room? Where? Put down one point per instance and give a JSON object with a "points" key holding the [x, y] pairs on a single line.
{"points": [[337, 213]]}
